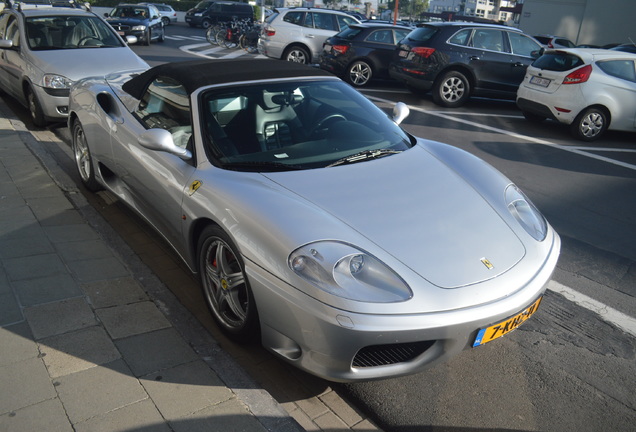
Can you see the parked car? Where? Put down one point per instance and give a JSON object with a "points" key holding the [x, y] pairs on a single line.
{"points": [[350, 248], [44, 51], [362, 52], [139, 20], [166, 12], [551, 41], [209, 12], [455, 60], [630, 48], [591, 90], [297, 34]]}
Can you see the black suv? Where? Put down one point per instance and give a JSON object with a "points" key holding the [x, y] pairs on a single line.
{"points": [[210, 12], [456, 60]]}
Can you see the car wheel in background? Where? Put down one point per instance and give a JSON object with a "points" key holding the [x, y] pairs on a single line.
{"points": [[296, 54], [451, 90], [225, 285], [590, 124], [83, 159], [359, 73], [148, 37], [35, 109], [206, 24], [165, 20]]}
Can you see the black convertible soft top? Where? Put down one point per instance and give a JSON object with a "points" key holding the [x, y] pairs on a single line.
{"points": [[200, 73]]}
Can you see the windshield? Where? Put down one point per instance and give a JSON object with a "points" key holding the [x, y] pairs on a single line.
{"points": [[137, 12], [68, 32], [203, 5], [295, 125]]}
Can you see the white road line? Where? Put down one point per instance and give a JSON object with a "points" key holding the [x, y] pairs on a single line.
{"points": [[619, 319], [181, 38], [575, 150]]}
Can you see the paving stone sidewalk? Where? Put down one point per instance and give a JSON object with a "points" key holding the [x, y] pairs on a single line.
{"points": [[83, 346]]}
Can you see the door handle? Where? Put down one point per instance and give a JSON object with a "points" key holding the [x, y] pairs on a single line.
{"points": [[518, 64], [474, 57], [311, 36]]}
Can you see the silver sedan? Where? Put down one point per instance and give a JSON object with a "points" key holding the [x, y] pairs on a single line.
{"points": [[350, 248], [44, 50]]}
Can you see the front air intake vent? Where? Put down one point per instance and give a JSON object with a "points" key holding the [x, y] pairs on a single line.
{"points": [[382, 355]]}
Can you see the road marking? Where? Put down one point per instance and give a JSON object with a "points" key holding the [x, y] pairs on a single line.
{"points": [[181, 38], [619, 319], [575, 150]]}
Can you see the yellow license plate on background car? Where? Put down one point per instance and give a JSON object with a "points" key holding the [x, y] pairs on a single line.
{"points": [[497, 330]]}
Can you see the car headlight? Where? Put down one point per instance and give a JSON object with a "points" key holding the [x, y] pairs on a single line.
{"points": [[345, 271], [526, 213], [139, 28], [56, 82]]}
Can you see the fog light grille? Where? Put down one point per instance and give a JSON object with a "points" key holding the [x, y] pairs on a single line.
{"points": [[382, 355]]}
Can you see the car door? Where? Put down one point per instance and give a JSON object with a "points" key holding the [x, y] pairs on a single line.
{"points": [[318, 26], [154, 182], [490, 62], [155, 22], [619, 88], [12, 64], [524, 50], [379, 46]]}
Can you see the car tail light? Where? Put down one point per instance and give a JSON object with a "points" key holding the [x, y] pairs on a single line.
{"points": [[423, 51], [339, 49], [579, 76], [268, 31]]}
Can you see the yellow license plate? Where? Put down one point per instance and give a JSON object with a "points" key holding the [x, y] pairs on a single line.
{"points": [[497, 330]]}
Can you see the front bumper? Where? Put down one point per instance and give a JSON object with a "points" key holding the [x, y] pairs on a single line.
{"points": [[342, 346], [54, 103]]}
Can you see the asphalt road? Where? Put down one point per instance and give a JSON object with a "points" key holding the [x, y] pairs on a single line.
{"points": [[572, 366]]}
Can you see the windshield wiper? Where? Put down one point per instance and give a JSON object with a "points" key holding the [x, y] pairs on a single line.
{"points": [[260, 166], [364, 155]]}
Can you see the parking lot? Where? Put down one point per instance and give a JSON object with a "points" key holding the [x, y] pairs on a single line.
{"points": [[569, 368]]}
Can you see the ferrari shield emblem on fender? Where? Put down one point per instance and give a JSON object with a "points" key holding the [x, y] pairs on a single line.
{"points": [[487, 263], [194, 186]]}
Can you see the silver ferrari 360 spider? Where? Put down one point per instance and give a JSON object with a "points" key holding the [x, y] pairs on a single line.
{"points": [[352, 249]]}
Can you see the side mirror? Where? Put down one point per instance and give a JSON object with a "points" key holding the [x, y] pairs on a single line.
{"points": [[161, 140], [400, 112], [6, 44]]}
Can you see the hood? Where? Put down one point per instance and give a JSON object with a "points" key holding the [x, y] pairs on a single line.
{"points": [[131, 21], [419, 211], [88, 62]]}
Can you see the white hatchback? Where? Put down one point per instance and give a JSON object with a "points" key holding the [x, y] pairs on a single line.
{"points": [[591, 90]]}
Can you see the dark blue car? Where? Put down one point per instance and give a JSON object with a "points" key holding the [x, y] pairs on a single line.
{"points": [[142, 21]]}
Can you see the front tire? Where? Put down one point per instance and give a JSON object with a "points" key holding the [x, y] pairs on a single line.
{"points": [[296, 54], [452, 90], [206, 24], [35, 109], [359, 73], [83, 159], [590, 124], [225, 285], [148, 37]]}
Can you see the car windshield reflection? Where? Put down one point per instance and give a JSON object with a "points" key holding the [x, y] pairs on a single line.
{"points": [[59, 32], [292, 126]]}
